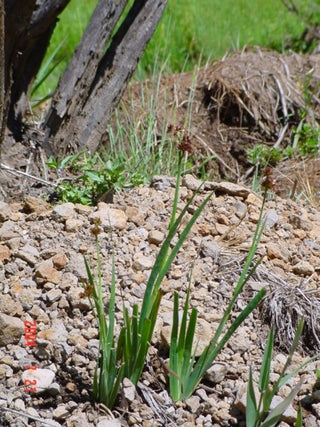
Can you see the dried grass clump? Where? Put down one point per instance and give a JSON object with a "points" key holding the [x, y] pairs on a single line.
{"points": [[284, 305], [262, 93]]}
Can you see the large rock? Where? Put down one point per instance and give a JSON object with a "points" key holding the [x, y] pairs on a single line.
{"points": [[45, 272], [11, 329], [109, 217], [43, 379]]}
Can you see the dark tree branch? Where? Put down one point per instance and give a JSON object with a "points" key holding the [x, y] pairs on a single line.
{"points": [[93, 85], [2, 73], [26, 44]]}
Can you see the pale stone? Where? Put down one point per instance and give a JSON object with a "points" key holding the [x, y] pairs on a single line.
{"points": [[73, 225], [64, 211], [28, 253], [43, 378], [109, 217], [239, 341], [54, 295], [303, 268], [216, 373], [60, 260], [191, 182], [5, 253], [5, 371], [210, 249], [289, 415], [135, 215], [254, 199], [11, 329], [162, 182], [156, 237], [142, 262], [193, 403], [105, 422], [129, 390], [5, 211], [60, 413], [75, 339], [275, 251], [271, 218], [45, 272], [9, 306], [228, 188], [19, 405]]}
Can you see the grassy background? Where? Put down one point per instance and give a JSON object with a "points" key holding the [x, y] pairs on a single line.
{"points": [[189, 30]]}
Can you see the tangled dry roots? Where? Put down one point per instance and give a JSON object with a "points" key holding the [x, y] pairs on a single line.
{"points": [[284, 306], [263, 90]]}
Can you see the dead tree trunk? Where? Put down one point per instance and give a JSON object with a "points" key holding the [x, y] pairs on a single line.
{"points": [[98, 73], [28, 27], [2, 71]]}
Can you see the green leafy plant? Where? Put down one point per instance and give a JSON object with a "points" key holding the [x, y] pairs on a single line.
{"points": [[92, 176], [185, 371], [258, 412], [306, 143], [126, 357], [308, 140], [263, 155]]}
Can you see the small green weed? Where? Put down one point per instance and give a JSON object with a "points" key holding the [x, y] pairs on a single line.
{"points": [[91, 176], [263, 155], [306, 143], [308, 140]]}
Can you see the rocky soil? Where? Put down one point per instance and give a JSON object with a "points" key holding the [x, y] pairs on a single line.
{"points": [[41, 253]]}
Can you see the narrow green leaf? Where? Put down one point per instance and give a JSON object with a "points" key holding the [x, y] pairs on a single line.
{"points": [[275, 415], [294, 345], [299, 418], [161, 265], [174, 383], [211, 352], [264, 378], [287, 377], [251, 409]]}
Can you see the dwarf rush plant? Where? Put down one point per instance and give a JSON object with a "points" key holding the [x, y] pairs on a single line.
{"points": [[185, 371], [126, 356], [258, 410]]}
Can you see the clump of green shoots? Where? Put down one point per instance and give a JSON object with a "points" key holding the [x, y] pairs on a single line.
{"points": [[126, 356], [185, 371]]}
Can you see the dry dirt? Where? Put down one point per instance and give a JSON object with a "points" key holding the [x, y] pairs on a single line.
{"points": [[240, 101]]}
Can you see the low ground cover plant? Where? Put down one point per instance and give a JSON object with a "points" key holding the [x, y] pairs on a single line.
{"points": [[91, 177]]}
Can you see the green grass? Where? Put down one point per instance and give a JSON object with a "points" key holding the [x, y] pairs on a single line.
{"points": [[189, 29]]}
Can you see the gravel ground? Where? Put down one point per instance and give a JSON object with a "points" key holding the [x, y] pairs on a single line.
{"points": [[41, 252]]}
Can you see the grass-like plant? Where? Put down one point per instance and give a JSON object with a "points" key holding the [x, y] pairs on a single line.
{"points": [[258, 413], [185, 371], [126, 356], [109, 372]]}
